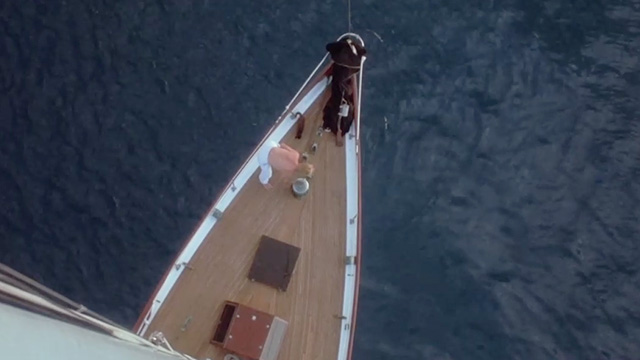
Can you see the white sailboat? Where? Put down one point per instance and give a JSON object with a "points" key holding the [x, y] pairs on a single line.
{"points": [[266, 275]]}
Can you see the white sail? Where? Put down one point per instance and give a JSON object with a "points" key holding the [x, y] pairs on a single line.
{"points": [[27, 335], [34, 327]]}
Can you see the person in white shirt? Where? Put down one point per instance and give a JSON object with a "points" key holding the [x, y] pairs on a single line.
{"points": [[281, 157]]}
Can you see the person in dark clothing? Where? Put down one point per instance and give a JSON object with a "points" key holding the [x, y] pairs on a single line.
{"points": [[347, 57], [346, 53]]}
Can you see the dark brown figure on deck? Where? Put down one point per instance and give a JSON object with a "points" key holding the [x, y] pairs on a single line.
{"points": [[301, 121], [347, 57]]}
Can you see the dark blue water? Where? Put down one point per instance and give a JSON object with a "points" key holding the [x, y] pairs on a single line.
{"points": [[501, 202]]}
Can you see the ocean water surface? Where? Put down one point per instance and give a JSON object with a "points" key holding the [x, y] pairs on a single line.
{"points": [[501, 157]]}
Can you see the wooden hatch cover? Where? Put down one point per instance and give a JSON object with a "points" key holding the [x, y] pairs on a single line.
{"points": [[273, 263], [248, 332]]}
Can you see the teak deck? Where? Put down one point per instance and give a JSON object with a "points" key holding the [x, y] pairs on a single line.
{"points": [[218, 271]]}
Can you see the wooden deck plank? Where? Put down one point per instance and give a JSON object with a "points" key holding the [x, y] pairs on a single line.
{"points": [[316, 224]]}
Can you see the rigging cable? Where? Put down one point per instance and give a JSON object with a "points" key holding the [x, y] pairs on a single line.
{"points": [[349, 13]]}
